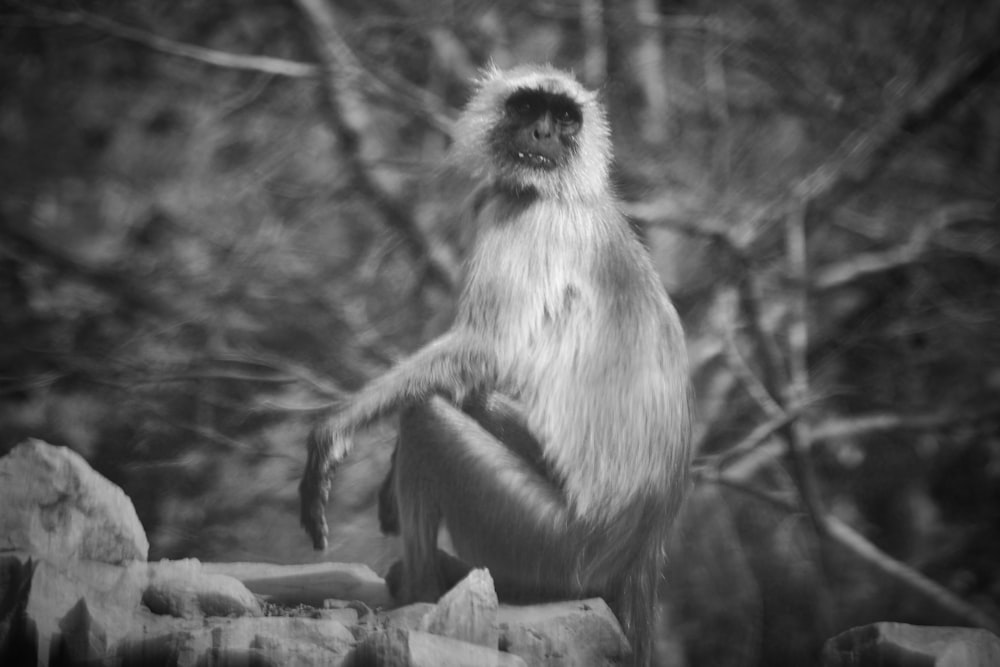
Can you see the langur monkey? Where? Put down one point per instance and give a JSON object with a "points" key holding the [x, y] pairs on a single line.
{"points": [[549, 428]]}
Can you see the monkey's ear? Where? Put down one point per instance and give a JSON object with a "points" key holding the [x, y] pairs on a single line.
{"points": [[490, 70]]}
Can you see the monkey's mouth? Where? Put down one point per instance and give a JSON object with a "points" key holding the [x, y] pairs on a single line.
{"points": [[534, 160]]}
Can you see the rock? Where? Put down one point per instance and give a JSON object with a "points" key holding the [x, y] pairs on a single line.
{"points": [[75, 590], [53, 504], [72, 604], [579, 632], [468, 612], [308, 584], [15, 588], [82, 638], [411, 648], [410, 617], [181, 588], [902, 645], [264, 641]]}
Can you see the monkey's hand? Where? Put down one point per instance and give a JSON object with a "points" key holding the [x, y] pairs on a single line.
{"points": [[328, 445]]}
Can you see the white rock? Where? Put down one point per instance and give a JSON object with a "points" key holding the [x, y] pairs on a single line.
{"points": [[54, 504]]}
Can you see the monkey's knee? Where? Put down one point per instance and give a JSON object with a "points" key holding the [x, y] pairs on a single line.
{"points": [[426, 419]]}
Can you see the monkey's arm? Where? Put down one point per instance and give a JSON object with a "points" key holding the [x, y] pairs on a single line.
{"points": [[453, 364]]}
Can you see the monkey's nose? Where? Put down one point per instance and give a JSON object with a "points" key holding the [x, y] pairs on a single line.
{"points": [[543, 129]]}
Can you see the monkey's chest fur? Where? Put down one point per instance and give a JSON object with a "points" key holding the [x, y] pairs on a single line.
{"points": [[560, 291]]}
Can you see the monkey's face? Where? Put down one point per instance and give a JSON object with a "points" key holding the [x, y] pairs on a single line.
{"points": [[538, 130], [535, 128]]}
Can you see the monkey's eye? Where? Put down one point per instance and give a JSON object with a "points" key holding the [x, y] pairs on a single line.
{"points": [[526, 105], [566, 113]]}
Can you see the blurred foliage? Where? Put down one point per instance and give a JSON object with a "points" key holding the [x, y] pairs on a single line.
{"points": [[190, 268]]}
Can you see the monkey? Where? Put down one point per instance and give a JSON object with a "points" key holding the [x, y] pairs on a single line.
{"points": [[548, 429]]}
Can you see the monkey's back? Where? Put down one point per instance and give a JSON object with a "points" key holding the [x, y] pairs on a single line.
{"points": [[586, 337]]}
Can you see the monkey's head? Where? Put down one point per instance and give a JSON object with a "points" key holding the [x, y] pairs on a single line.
{"points": [[535, 128]]}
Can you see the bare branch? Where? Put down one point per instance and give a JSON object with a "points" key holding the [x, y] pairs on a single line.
{"points": [[909, 252], [736, 362], [864, 425], [262, 64], [24, 246], [387, 87], [761, 434], [798, 352], [864, 154], [861, 547], [857, 544], [286, 368], [341, 73], [595, 58]]}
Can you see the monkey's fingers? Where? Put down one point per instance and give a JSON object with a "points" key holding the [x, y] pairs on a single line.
{"points": [[313, 493], [327, 447]]}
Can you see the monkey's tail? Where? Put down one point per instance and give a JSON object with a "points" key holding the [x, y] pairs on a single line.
{"points": [[314, 489]]}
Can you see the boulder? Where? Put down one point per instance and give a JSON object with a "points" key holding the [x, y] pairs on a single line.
{"points": [[396, 647], [310, 583], [578, 632], [468, 612], [53, 504], [902, 645], [181, 588]]}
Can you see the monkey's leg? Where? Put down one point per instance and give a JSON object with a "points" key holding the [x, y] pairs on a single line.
{"points": [[506, 512], [501, 416], [502, 511]]}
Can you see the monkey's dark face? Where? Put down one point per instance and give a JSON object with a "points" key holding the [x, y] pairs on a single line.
{"points": [[538, 131]]}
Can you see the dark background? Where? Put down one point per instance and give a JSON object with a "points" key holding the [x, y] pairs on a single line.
{"points": [[215, 218]]}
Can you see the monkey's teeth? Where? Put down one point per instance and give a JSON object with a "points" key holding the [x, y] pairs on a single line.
{"points": [[533, 158]]}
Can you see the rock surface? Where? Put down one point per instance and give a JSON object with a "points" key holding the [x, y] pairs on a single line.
{"points": [[75, 589], [309, 584], [52, 503], [902, 645], [397, 647], [183, 589], [468, 612], [576, 632]]}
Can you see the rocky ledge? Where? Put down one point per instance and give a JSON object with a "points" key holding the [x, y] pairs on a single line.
{"points": [[76, 589]]}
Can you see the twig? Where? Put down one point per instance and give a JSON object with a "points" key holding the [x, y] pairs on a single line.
{"points": [[262, 64], [797, 431], [749, 306], [19, 244], [595, 58], [863, 425], [757, 389], [861, 547], [386, 86], [909, 252], [754, 439], [857, 544], [865, 154], [199, 376], [297, 372], [341, 72]]}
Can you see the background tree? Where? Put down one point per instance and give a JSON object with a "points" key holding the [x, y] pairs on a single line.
{"points": [[215, 218]]}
